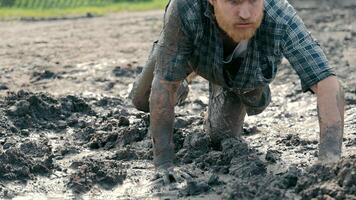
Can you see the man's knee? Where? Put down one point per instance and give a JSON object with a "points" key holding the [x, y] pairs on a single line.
{"points": [[226, 115], [218, 131], [140, 98], [140, 104]]}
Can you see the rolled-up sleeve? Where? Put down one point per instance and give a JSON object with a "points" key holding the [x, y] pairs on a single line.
{"points": [[304, 54], [174, 47]]}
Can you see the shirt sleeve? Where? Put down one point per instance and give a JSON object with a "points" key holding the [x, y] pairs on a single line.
{"points": [[304, 54], [174, 47]]}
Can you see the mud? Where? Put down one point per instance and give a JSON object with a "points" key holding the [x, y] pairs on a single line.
{"points": [[337, 181], [19, 164], [68, 131], [105, 173]]}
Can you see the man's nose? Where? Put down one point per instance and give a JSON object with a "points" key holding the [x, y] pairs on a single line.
{"points": [[245, 13]]}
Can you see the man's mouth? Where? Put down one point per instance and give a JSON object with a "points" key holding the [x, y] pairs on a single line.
{"points": [[243, 25]]}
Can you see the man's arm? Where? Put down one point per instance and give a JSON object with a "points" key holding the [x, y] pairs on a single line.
{"points": [[310, 62], [162, 101], [330, 105]]}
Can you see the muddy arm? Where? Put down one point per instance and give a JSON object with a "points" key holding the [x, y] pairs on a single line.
{"points": [[330, 102], [162, 102]]}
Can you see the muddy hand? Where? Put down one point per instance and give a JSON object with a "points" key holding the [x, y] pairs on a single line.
{"points": [[330, 145], [170, 176]]}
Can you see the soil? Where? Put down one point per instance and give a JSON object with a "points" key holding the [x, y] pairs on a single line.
{"points": [[68, 130]]}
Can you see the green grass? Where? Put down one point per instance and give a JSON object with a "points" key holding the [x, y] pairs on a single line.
{"points": [[16, 13]]}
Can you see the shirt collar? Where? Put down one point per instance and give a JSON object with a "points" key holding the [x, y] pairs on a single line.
{"points": [[209, 11]]}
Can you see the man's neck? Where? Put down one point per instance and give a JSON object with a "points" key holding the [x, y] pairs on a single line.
{"points": [[228, 44]]}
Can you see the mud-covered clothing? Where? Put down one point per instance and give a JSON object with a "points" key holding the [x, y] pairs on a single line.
{"points": [[191, 41]]}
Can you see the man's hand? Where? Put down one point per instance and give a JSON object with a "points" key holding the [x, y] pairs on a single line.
{"points": [[168, 183], [330, 102], [162, 101], [171, 175]]}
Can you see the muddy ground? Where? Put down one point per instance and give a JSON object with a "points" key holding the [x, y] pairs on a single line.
{"points": [[68, 131]]}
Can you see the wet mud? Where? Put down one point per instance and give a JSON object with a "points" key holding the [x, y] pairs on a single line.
{"points": [[68, 130]]}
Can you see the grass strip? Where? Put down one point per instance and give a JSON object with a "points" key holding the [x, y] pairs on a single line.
{"points": [[17, 13]]}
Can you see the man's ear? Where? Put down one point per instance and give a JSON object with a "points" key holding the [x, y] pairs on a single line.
{"points": [[212, 2]]}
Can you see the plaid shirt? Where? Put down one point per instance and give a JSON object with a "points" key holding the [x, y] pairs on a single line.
{"points": [[191, 41]]}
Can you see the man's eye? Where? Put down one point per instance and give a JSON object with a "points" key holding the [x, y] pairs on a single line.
{"points": [[234, 1]]}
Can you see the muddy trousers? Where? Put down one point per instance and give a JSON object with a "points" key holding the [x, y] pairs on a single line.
{"points": [[141, 88], [228, 108], [226, 114], [226, 111]]}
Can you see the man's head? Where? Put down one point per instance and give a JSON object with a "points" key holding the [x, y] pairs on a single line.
{"points": [[239, 19]]}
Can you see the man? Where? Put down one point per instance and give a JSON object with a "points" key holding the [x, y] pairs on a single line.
{"points": [[236, 45]]}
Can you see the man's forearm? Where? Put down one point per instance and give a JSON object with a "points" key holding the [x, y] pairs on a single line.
{"points": [[330, 100], [162, 102]]}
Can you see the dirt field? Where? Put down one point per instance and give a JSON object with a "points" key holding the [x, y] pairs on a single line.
{"points": [[67, 129]]}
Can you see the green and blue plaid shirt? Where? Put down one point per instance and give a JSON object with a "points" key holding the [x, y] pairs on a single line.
{"points": [[191, 41]]}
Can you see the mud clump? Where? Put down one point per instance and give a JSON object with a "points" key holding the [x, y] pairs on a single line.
{"points": [[235, 157], [295, 140], [333, 181], [242, 161], [193, 146], [24, 163], [350, 98], [6, 127], [273, 156], [107, 102], [250, 130], [41, 111], [253, 189], [107, 129], [120, 137], [105, 173], [3, 86], [336, 181], [67, 149], [43, 75], [36, 149], [194, 188], [265, 186], [351, 143], [125, 154], [126, 71], [15, 165], [5, 192]]}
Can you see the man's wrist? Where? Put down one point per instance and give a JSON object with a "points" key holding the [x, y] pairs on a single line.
{"points": [[331, 142], [164, 159]]}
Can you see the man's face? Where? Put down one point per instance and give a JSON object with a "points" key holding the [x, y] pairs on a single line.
{"points": [[238, 18]]}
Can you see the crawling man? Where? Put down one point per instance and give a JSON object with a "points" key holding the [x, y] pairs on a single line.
{"points": [[236, 45]]}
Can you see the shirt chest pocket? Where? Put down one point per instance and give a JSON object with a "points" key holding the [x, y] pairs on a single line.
{"points": [[268, 69]]}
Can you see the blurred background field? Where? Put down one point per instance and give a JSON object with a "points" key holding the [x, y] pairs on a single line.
{"points": [[13, 9]]}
